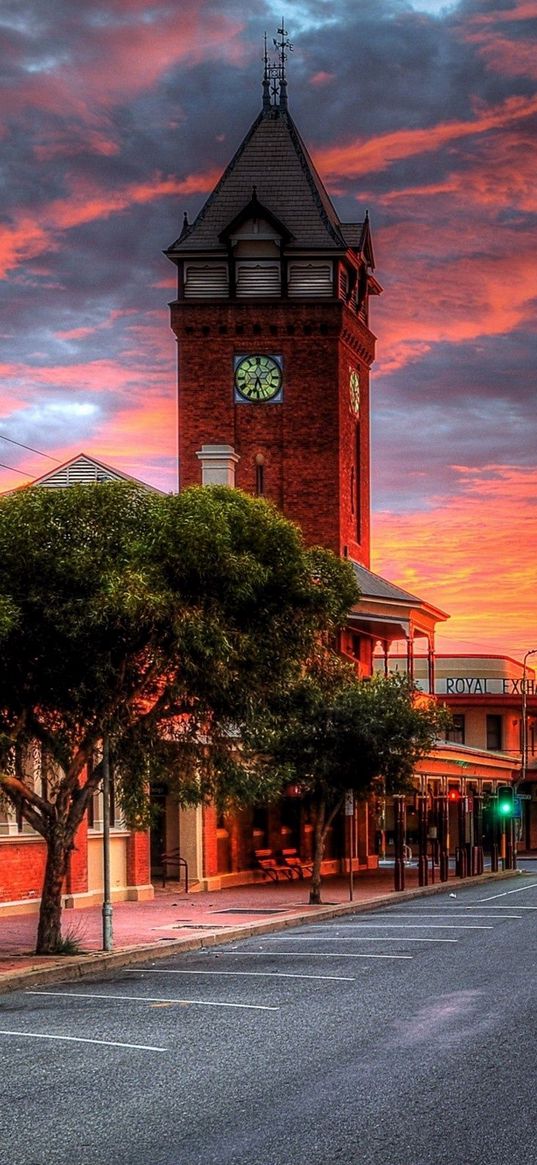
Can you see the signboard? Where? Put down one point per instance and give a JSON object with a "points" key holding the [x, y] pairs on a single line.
{"points": [[349, 803]]}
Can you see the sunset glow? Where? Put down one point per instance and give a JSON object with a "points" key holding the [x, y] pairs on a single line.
{"points": [[119, 117]]}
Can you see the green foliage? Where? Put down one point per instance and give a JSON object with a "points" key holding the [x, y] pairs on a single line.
{"points": [[165, 621], [330, 731]]}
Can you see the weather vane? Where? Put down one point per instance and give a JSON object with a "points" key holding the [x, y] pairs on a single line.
{"points": [[274, 78]]}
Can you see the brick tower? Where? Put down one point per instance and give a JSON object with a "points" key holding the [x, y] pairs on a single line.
{"points": [[271, 319]]}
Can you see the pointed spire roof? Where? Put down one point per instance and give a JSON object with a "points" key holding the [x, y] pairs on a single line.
{"points": [[274, 159]]}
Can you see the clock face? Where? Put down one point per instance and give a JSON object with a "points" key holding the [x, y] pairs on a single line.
{"points": [[258, 378], [354, 390]]}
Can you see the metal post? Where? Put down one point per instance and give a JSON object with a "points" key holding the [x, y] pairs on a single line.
{"points": [[422, 840], [524, 742], [399, 841], [349, 817], [477, 848], [107, 905], [462, 870], [443, 836]]}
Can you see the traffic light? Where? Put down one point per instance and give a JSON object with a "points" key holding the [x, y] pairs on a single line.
{"points": [[506, 801]]}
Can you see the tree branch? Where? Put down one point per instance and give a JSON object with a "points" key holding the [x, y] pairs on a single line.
{"points": [[15, 788]]}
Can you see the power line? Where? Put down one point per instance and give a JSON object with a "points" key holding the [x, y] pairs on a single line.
{"points": [[13, 470], [30, 447]]}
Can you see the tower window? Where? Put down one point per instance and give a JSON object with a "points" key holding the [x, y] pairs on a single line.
{"points": [[310, 279], [255, 279], [259, 475], [357, 491], [206, 281]]}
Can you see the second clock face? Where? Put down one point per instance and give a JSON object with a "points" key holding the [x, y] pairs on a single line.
{"points": [[258, 378]]}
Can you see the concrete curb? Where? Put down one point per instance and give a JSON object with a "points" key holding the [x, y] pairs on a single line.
{"points": [[68, 969]]}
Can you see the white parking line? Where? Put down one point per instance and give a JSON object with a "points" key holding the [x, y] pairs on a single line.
{"points": [[417, 926], [256, 974], [353, 938], [149, 999], [437, 914], [81, 1040], [518, 906], [505, 894], [309, 954]]}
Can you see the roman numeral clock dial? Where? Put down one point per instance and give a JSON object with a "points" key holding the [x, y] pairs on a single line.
{"points": [[258, 379]]}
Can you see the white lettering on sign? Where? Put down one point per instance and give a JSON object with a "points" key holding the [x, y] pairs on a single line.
{"points": [[485, 686]]}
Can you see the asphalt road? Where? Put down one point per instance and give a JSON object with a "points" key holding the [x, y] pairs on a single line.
{"points": [[404, 1037]]}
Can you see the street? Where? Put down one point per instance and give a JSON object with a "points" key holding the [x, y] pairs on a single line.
{"points": [[401, 1037]]}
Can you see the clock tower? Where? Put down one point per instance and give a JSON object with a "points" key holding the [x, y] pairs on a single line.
{"points": [[272, 324]]}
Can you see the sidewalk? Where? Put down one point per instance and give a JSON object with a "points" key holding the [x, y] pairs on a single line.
{"points": [[176, 921]]}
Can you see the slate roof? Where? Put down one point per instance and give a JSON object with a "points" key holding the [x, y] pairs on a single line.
{"points": [[273, 159]]}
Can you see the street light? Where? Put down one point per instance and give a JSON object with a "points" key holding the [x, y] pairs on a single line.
{"points": [[524, 758]]}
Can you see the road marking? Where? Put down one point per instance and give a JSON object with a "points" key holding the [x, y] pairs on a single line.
{"points": [[417, 926], [311, 955], [81, 1040], [518, 906], [506, 893], [150, 999], [336, 938], [437, 914], [257, 974]]}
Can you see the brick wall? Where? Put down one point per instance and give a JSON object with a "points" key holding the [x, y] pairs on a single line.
{"points": [[308, 441]]}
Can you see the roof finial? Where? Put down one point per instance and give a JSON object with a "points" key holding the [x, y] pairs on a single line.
{"points": [[266, 81], [282, 45]]}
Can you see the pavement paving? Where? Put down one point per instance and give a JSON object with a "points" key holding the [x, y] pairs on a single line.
{"points": [[176, 921]]}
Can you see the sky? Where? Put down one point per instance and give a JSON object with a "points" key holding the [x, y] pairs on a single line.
{"points": [[116, 116]]}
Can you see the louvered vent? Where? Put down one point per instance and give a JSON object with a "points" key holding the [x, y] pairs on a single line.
{"points": [[258, 279], [206, 281], [79, 473], [310, 279], [343, 283]]}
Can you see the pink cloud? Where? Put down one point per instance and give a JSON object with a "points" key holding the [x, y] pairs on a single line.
{"points": [[24, 239], [125, 55], [360, 157]]}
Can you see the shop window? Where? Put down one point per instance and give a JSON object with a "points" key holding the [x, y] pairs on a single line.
{"points": [[456, 732], [494, 732]]}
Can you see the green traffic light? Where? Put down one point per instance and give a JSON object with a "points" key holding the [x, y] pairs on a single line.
{"points": [[506, 802]]}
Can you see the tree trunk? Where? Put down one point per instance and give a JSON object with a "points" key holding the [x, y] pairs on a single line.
{"points": [[319, 838], [49, 931]]}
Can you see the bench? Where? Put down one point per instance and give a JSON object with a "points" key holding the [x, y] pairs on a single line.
{"points": [[271, 867], [291, 858]]}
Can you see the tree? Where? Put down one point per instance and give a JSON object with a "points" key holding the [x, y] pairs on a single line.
{"points": [[330, 732], [163, 622]]}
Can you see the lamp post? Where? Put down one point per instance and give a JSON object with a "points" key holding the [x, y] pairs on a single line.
{"points": [[524, 757]]}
